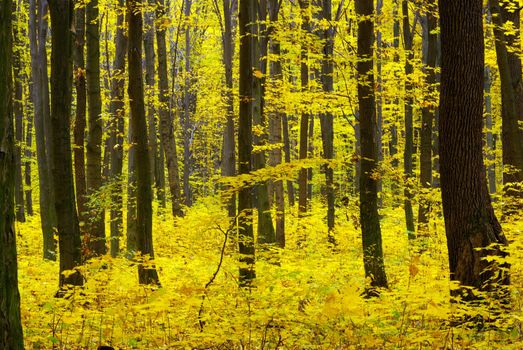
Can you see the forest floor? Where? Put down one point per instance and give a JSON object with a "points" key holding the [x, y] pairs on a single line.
{"points": [[308, 296]]}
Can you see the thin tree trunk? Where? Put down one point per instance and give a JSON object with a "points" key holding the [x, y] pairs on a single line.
{"points": [[247, 15], [146, 272], [409, 128], [427, 116], [470, 223], [18, 114], [116, 131], [187, 108], [40, 99], [68, 228], [287, 151], [11, 336], [80, 121], [370, 225], [95, 223], [166, 122], [491, 155], [28, 154]]}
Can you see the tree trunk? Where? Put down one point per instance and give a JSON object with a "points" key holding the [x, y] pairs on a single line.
{"points": [[166, 122], [327, 119], [491, 155], [11, 336], [187, 109], [287, 151], [304, 120], [470, 223], [427, 116], [370, 225], [247, 16], [146, 273], [95, 223], [509, 66], [116, 132], [68, 228], [40, 99], [28, 154], [228, 149], [409, 129]]}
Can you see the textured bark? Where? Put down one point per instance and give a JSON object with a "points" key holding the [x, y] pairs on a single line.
{"points": [[408, 154], [40, 99], [18, 108], [491, 155], [287, 151], [116, 132], [228, 149], [146, 272], [470, 222], [369, 218], [11, 337], [95, 227], [247, 15], [427, 115], [28, 154], [131, 193], [188, 106], [304, 119], [327, 119], [509, 66], [275, 130], [68, 228], [166, 123]]}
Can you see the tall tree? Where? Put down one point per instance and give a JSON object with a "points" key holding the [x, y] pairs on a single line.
{"points": [[67, 227], [146, 273], [96, 223], [11, 337], [369, 217], [116, 131], [246, 17], [80, 121], [470, 223], [167, 135], [427, 114], [189, 103], [509, 65], [38, 28], [408, 155]]}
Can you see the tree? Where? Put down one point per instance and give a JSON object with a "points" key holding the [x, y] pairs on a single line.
{"points": [[470, 223], [245, 230], [11, 337], [369, 218], [146, 274], [67, 227], [95, 223]]}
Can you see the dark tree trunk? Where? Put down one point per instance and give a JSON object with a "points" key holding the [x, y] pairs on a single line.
{"points": [[96, 223], [327, 119], [116, 132], [247, 15], [491, 155], [470, 223], [228, 149], [409, 128], [287, 151], [18, 114], [304, 120], [80, 121], [509, 66], [28, 154], [146, 273], [370, 225], [188, 101], [40, 99], [68, 228], [427, 116], [166, 122], [11, 336]]}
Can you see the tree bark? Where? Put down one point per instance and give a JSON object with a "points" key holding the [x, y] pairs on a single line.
{"points": [[166, 122], [427, 116], [96, 223], [146, 272], [470, 223], [370, 225], [11, 336], [28, 154], [491, 155], [68, 228], [188, 106], [409, 128], [247, 16], [116, 132]]}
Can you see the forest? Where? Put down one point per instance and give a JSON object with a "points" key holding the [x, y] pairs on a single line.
{"points": [[261, 174]]}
